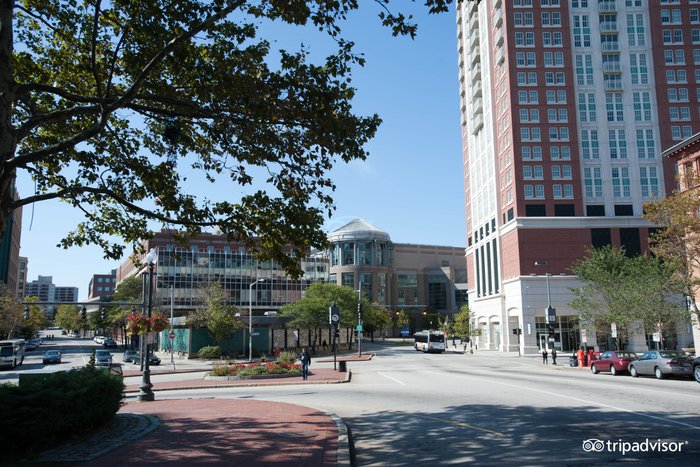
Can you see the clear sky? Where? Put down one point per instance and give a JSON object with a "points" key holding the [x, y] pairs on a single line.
{"points": [[411, 186]]}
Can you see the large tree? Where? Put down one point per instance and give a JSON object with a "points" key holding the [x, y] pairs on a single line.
{"points": [[111, 106], [11, 312], [678, 238], [628, 291]]}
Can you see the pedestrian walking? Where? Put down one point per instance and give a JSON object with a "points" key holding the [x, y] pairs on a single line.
{"points": [[554, 356], [544, 356], [305, 359]]}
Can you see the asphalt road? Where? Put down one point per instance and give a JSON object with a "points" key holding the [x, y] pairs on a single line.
{"points": [[409, 408]]}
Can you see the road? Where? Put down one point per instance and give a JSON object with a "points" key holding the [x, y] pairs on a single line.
{"points": [[408, 408]]}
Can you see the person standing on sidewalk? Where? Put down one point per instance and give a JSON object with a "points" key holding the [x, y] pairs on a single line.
{"points": [[544, 356], [305, 359], [554, 356]]}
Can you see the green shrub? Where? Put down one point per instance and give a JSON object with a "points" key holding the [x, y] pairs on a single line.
{"points": [[287, 357], [210, 351], [220, 369], [47, 412]]}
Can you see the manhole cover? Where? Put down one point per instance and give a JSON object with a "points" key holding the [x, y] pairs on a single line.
{"points": [[297, 434]]}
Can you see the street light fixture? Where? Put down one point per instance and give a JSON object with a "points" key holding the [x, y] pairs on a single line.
{"points": [[250, 319], [146, 393], [550, 314]]}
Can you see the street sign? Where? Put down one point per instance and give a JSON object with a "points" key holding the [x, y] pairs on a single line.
{"points": [[171, 335], [613, 330], [657, 337], [405, 331], [358, 327], [254, 333]]}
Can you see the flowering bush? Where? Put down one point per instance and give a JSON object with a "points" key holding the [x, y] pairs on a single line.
{"points": [[251, 369]]}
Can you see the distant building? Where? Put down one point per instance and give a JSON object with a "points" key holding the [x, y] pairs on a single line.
{"points": [[401, 276], [46, 291], [182, 271], [416, 278], [686, 156], [66, 295], [22, 273], [102, 285]]}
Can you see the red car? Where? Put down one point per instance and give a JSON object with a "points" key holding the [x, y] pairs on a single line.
{"points": [[613, 361]]}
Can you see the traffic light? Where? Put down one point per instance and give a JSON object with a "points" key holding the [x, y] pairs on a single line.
{"points": [[83, 313], [26, 312], [550, 331], [103, 314], [336, 334], [359, 309]]}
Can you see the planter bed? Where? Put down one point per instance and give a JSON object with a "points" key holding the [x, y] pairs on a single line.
{"points": [[242, 378]]}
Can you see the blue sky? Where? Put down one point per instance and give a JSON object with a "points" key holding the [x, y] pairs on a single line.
{"points": [[411, 186]]}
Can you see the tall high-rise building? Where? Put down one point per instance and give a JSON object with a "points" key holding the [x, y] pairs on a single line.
{"points": [[566, 107], [44, 289]]}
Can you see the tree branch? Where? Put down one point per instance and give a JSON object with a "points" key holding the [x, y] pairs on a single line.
{"points": [[93, 62]]}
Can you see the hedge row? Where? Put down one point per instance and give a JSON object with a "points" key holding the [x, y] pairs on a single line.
{"points": [[44, 412]]}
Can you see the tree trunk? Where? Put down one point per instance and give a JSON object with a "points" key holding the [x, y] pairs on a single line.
{"points": [[8, 143]]}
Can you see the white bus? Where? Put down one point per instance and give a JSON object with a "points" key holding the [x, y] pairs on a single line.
{"points": [[429, 341], [12, 352]]}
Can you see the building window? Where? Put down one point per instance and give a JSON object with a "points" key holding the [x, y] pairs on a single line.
{"points": [[593, 182], [586, 107], [589, 144], [618, 144], [613, 107], [649, 181], [639, 69], [645, 144], [348, 279], [621, 182]]}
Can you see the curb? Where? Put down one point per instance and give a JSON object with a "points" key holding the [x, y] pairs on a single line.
{"points": [[348, 377]]}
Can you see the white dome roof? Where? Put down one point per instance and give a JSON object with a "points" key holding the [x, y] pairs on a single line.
{"points": [[358, 229]]}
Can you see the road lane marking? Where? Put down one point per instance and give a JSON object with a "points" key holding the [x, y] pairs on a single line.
{"points": [[599, 404], [392, 378], [460, 424]]}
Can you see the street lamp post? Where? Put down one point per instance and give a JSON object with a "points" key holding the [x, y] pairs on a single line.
{"points": [[550, 315], [250, 319], [146, 393]]}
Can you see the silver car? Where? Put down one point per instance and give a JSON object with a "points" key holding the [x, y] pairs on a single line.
{"points": [[661, 363], [103, 358]]}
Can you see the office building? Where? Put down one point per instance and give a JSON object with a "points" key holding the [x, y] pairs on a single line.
{"points": [[566, 107], [415, 278], [102, 285]]}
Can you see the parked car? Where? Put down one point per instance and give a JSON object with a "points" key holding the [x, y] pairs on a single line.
{"points": [[661, 363], [103, 358], [52, 356], [696, 369], [152, 359], [613, 361], [129, 355], [109, 343], [99, 339]]}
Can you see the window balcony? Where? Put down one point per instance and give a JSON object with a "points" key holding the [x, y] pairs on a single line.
{"points": [[607, 7], [607, 27], [610, 47], [612, 67]]}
